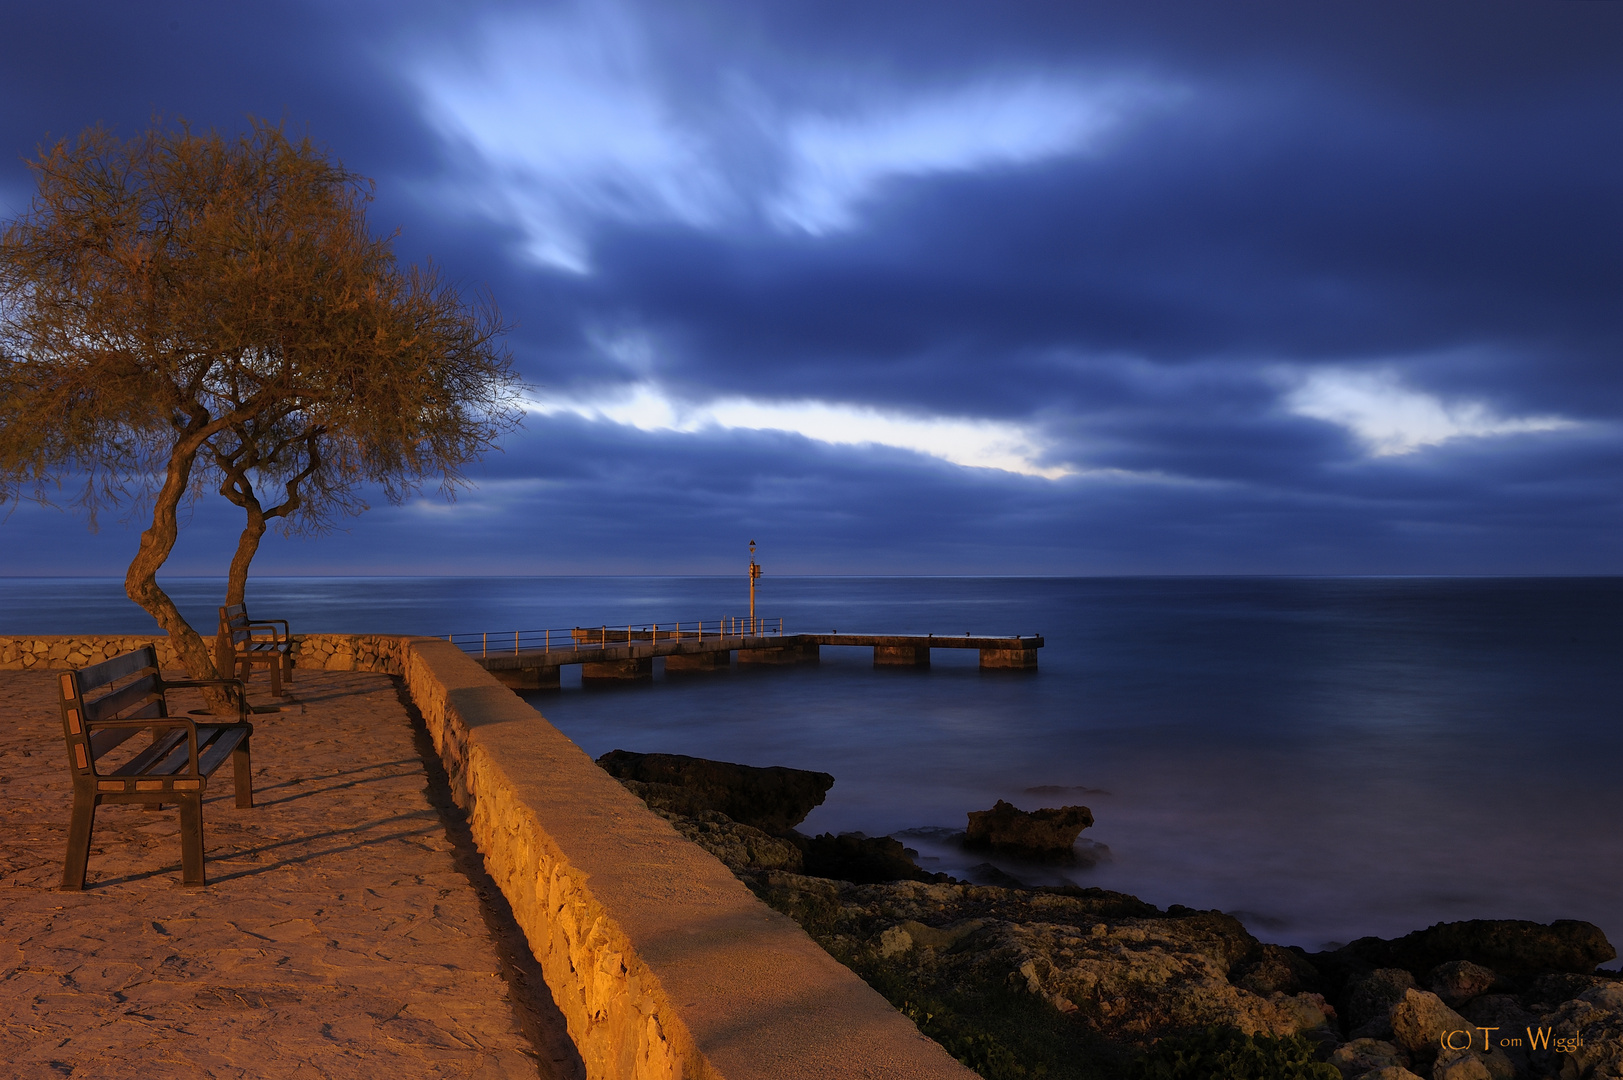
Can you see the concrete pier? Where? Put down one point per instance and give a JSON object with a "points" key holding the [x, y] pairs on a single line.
{"points": [[916, 656], [1009, 659], [634, 669], [627, 654], [530, 678], [796, 653], [706, 661]]}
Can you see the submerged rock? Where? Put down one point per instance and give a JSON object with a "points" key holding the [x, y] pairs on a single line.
{"points": [[774, 799], [859, 859], [987, 874], [1512, 947], [1036, 834]]}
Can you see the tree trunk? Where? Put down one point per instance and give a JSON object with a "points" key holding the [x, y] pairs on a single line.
{"points": [[141, 582], [236, 586]]}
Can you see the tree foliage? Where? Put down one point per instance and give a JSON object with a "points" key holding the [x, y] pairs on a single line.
{"points": [[178, 308]]}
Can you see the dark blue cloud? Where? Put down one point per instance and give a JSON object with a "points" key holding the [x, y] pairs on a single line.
{"points": [[1423, 198]]}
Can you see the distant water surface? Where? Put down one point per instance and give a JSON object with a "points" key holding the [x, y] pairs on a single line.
{"points": [[1326, 758]]}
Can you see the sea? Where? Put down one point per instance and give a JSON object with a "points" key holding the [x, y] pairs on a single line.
{"points": [[1324, 758]]}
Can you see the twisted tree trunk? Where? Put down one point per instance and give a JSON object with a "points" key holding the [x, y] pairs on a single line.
{"points": [[141, 582]]}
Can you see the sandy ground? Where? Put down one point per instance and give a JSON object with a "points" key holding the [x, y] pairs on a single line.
{"points": [[347, 929]]}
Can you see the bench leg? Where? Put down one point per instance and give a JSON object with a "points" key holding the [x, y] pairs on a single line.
{"points": [[191, 840], [78, 860], [275, 666], [287, 666], [242, 770]]}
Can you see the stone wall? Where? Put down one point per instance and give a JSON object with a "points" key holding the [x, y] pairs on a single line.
{"points": [[329, 652], [77, 650], [664, 965]]}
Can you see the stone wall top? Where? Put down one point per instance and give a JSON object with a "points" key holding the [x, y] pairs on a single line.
{"points": [[662, 962]]}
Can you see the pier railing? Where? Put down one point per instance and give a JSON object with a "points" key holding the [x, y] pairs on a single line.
{"points": [[576, 638]]}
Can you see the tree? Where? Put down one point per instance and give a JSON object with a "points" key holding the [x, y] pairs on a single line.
{"points": [[178, 297], [394, 438]]}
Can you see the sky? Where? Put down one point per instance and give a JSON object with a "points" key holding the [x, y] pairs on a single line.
{"points": [[1292, 287]]}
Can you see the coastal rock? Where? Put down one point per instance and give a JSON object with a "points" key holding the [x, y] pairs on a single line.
{"points": [[1464, 1066], [1511, 947], [1143, 978], [1459, 981], [1112, 963], [1039, 834], [862, 860], [739, 847], [1391, 1072], [1363, 1056], [1583, 1037], [987, 874], [1502, 1011], [774, 799], [1421, 1020], [1271, 969], [1369, 998]]}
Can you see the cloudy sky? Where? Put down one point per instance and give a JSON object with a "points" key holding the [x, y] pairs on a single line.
{"points": [[1327, 287]]}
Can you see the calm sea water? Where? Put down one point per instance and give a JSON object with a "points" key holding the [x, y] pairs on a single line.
{"points": [[1325, 758]]}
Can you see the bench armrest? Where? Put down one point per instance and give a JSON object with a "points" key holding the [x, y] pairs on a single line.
{"points": [[281, 637]]}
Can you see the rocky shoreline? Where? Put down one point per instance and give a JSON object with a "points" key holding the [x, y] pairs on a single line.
{"points": [[1071, 982]]}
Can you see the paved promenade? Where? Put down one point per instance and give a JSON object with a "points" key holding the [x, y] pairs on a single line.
{"points": [[346, 931]]}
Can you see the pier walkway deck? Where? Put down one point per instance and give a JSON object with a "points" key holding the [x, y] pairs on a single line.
{"points": [[531, 659]]}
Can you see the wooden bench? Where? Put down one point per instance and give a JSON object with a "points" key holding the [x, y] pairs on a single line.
{"points": [[173, 768], [242, 643]]}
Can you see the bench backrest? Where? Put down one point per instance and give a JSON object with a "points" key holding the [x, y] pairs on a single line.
{"points": [[234, 626], [86, 698]]}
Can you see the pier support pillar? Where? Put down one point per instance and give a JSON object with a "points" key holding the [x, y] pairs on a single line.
{"points": [[705, 661], [637, 669], [1009, 659], [903, 655], [530, 678], [788, 654]]}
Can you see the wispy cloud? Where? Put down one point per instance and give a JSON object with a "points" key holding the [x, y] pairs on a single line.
{"points": [[836, 161], [974, 443], [1392, 419], [563, 119], [565, 122]]}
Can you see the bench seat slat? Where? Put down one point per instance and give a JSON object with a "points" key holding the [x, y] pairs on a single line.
{"points": [[209, 736], [221, 744], [167, 755], [162, 747]]}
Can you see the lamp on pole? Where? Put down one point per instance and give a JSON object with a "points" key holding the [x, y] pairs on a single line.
{"points": [[755, 572]]}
